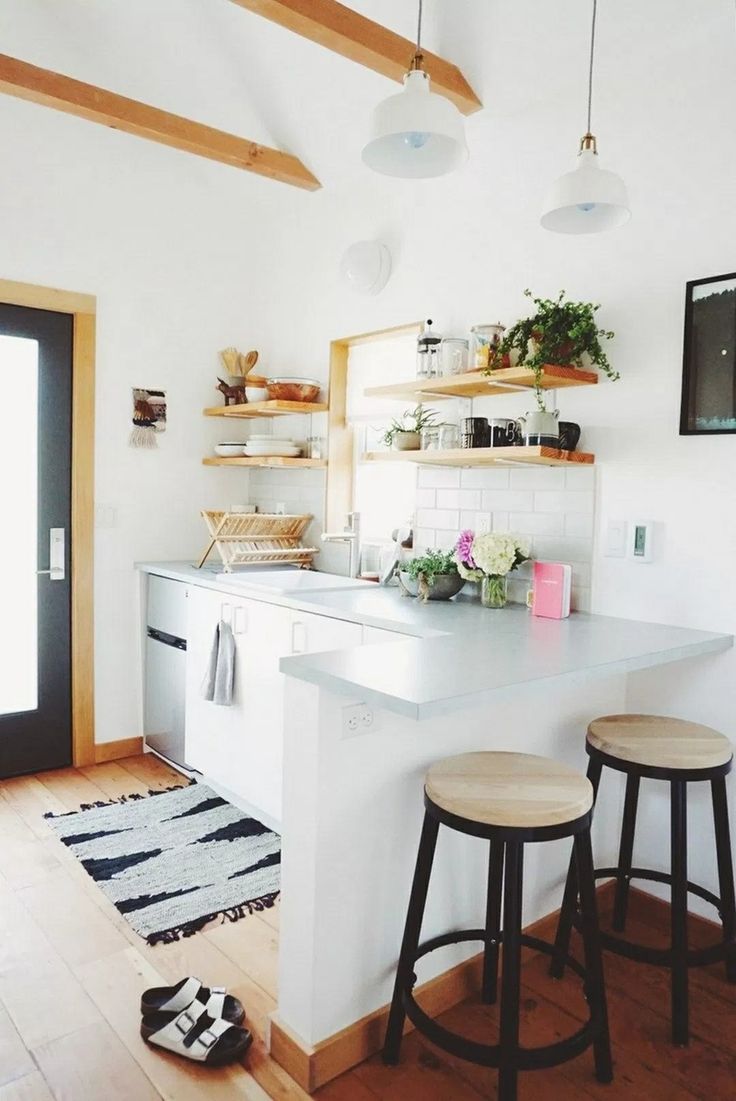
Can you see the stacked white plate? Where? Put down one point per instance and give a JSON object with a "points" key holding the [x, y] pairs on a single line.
{"points": [[271, 447]]}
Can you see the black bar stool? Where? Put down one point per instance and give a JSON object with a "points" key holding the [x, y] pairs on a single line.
{"points": [[679, 752], [509, 799]]}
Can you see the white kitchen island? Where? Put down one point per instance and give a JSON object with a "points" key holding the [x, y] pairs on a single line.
{"points": [[419, 683]]}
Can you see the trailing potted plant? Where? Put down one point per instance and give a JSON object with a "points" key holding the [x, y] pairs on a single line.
{"points": [[432, 576], [558, 332], [405, 434], [490, 558]]}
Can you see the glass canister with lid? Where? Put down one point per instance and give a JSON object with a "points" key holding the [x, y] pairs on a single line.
{"points": [[482, 339], [453, 355]]}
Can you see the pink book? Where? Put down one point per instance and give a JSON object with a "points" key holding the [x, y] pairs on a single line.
{"points": [[551, 593]]}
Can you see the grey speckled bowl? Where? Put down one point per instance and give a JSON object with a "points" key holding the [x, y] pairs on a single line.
{"points": [[445, 585]]}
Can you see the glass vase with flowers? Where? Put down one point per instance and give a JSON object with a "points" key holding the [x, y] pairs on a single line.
{"points": [[489, 558]]}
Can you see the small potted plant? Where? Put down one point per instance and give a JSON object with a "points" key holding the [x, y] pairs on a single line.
{"points": [[405, 434], [490, 558], [558, 332], [432, 576]]}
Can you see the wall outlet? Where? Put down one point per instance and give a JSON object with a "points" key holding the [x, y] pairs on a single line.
{"points": [[106, 516], [357, 719], [483, 522]]}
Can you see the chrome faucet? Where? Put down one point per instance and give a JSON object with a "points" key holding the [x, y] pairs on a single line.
{"points": [[350, 535]]}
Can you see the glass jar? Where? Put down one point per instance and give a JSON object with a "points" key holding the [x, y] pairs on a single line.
{"points": [[482, 339], [449, 437], [493, 591], [431, 438], [453, 355], [315, 447], [428, 343]]}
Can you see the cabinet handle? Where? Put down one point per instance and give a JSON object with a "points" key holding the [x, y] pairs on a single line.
{"points": [[240, 622], [298, 638]]}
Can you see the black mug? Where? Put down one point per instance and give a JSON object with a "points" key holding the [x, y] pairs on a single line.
{"points": [[569, 435], [475, 432], [503, 432]]}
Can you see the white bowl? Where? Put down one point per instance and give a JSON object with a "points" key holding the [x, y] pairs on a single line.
{"points": [[229, 450], [256, 393], [273, 452]]}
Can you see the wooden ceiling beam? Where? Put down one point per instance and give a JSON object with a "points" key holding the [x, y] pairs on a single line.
{"points": [[29, 82], [351, 35]]}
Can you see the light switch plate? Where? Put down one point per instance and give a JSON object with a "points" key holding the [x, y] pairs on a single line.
{"points": [[483, 522], [616, 538]]}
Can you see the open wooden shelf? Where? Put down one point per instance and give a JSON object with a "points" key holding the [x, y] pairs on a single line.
{"points": [[484, 456], [508, 380], [266, 460], [271, 408]]}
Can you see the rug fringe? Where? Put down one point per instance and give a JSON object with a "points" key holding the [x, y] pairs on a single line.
{"points": [[232, 914], [134, 795]]}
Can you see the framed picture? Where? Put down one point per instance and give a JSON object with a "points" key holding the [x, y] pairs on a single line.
{"points": [[709, 360]]}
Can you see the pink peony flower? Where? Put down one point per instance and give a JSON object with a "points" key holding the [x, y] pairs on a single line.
{"points": [[464, 549]]}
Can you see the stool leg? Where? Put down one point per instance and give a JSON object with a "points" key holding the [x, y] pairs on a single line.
{"points": [[625, 853], [725, 871], [493, 922], [570, 897], [595, 985], [511, 975], [410, 941], [678, 842]]}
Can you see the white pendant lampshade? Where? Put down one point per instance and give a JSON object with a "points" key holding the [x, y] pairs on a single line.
{"points": [[415, 133], [587, 200]]}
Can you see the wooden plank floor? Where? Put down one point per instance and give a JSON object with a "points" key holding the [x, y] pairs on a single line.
{"points": [[71, 973]]}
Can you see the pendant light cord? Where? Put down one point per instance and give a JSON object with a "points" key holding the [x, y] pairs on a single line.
{"points": [[590, 68], [419, 28]]}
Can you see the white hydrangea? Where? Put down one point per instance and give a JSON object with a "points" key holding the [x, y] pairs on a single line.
{"points": [[495, 553]]}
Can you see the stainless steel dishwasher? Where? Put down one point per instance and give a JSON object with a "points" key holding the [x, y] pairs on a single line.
{"points": [[165, 679]]}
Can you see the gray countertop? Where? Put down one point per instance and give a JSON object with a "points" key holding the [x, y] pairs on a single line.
{"points": [[457, 652]]}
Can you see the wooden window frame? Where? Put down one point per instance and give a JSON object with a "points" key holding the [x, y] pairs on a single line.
{"points": [[83, 309], [340, 434]]}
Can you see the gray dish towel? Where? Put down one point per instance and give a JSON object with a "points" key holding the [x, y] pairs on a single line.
{"points": [[217, 685]]}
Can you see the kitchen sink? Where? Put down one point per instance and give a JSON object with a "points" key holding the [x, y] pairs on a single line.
{"points": [[293, 581]]}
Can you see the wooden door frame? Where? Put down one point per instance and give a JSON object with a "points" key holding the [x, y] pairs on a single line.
{"points": [[83, 309]]}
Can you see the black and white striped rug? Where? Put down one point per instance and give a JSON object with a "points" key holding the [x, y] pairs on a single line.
{"points": [[176, 859]]}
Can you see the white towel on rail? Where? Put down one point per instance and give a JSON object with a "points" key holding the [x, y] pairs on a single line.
{"points": [[219, 679]]}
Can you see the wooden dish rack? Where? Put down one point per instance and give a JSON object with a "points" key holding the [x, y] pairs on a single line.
{"points": [[248, 538]]}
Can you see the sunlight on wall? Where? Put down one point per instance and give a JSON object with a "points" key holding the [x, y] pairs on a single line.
{"points": [[19, 509]]}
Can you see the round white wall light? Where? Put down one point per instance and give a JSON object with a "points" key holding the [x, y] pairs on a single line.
{"points": [[365, 267]]}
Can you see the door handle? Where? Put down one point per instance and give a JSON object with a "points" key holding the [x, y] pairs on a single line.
{"points": [[57, 555]]}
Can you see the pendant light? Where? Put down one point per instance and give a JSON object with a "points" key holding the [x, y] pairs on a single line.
{"points": [[416, 133], [589, 199]]}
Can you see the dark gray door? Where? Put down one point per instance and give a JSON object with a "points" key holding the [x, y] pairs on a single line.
{"points": [[35, 530]]}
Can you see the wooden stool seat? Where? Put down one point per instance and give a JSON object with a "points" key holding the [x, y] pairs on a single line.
{"points": [[517, 790], [659, 742]]}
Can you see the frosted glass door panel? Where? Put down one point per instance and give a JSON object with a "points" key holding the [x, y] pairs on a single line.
{"points": [[19, 512]]}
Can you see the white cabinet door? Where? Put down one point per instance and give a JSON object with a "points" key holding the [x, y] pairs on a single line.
{"points": [[241, 746], [314, 634], [380, 634]]}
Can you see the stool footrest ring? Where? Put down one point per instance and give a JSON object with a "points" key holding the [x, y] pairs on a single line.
{"points": [[660, 957], [489, 1055]]}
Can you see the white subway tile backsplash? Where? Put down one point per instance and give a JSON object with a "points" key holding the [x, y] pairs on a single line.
{"points": [[468, 520], [579, 477], [565, 549], [537, 523], [458, 498], [564, 501], [538, 477], [577, 523], [507, 500], [580, 600], [445, 540], [426, 498], [423, 539], [438, 518], [500, 521], [480, 478], [439, 477]]}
